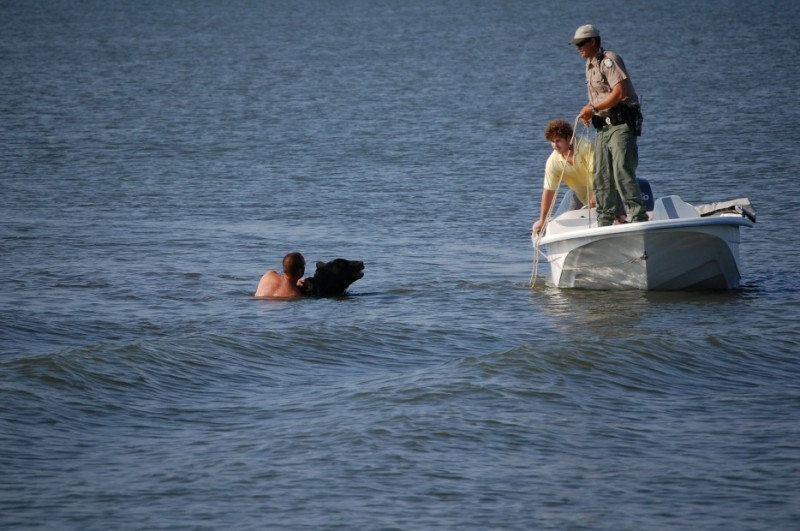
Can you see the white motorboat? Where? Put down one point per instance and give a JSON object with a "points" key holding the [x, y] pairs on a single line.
{"points": [[681, 247]]}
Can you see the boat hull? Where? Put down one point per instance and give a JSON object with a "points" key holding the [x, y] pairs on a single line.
{"points": [[699, 257], [680, 247]]}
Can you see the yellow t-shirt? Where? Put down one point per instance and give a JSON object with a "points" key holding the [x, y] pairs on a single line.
{"points": [[578, 176]]}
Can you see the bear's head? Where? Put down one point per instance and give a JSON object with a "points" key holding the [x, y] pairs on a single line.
{"points": [[332, 279]]}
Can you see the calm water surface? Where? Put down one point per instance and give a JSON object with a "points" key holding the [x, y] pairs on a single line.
{"points": [[156, 158]]}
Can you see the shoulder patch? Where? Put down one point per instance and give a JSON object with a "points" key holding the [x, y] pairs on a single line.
{"points": [[608, 62]]}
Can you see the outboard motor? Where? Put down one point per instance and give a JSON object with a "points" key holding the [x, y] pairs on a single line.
{"points": [[647, 194]]}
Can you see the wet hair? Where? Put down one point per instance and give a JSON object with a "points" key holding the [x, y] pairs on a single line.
{"points": [[294, 264], [558, 129]]}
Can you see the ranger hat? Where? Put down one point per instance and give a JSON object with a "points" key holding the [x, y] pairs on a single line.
{"points": [[586, 31]]}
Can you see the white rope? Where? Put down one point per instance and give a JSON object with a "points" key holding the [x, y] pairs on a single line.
{"points": [[588, 183], [536, 244]]}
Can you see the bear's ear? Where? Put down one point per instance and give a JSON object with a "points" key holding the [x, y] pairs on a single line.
{"points": [[320, 265]]}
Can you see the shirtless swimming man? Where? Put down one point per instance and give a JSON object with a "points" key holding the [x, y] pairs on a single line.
{"points": [[283, 286]]}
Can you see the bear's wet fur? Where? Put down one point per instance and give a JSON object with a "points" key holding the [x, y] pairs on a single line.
{"points": [[332, 279]]}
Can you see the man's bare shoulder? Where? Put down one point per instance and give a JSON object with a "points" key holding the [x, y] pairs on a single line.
{"points": [[268, 283], [276, 286]]}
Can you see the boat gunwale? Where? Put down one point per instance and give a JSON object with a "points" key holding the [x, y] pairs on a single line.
{"points": [[646, 226]]}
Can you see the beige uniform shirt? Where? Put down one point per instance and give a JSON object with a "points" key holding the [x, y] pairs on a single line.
{"points": [[603, 74]]}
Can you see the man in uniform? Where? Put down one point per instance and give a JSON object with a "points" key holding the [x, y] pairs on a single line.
{"points": [[613, 109]]}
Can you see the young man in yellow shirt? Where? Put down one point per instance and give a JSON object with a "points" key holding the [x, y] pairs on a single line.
{"points": [[570, 164]]}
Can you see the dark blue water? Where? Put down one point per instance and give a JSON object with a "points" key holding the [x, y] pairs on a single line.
{"points": [[156, 158]]}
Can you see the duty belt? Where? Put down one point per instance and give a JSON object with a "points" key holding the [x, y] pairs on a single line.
{"points": [[600, 122], [619, 114]]}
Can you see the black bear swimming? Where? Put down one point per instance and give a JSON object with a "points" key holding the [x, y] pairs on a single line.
{"points": [[332, 279]]}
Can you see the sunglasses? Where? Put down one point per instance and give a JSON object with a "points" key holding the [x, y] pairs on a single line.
{"points": [[584, 41]]}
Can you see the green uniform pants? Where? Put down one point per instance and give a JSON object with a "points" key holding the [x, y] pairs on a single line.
{"points": [[616, 156]]}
